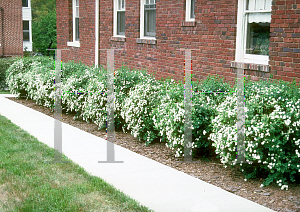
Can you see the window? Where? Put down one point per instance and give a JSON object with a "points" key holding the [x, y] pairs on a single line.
{"points": [[148, 18], [190, 10], [119, 17], [253, 31], [76, 20], [75, 24], [24, 3], [26, 34]]}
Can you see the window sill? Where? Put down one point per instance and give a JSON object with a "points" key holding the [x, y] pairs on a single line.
{"points": [[250, 66], [150, 41], [118, 39], [73, 44], [188, 23]]}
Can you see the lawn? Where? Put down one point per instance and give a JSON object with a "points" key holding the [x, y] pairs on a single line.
{"points": [[4, 92], [27, 183]]}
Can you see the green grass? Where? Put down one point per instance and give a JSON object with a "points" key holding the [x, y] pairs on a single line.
{"points": [[4, 92], [27, 183]]}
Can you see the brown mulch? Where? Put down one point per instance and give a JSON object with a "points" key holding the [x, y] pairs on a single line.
{"points": [[230, 179]]}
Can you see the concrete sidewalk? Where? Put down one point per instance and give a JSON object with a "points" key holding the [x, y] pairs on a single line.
{"points": [[154, 185]]}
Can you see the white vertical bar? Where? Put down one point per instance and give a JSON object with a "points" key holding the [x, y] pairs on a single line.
{"points": [[240, 114], [188, 107]]}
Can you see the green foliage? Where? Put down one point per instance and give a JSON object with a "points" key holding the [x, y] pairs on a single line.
{"points": [[138, 108], [272, 131], [44, 32], [5, 63], [125, 79], [33, 78], [40, 8], [169, 116]]}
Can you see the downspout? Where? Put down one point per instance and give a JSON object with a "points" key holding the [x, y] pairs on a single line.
{"points": [[2, 29], [96, 33]]}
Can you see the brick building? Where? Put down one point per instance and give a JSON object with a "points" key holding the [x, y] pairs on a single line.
{"points": [[262, 34], [15, 27]]}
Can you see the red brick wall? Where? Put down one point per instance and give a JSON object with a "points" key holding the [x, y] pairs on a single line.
{"points": [[213, 37], [285, 40], [13, 33], [86, 52]]}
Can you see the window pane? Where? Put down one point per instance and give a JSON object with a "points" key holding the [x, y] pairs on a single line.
{"points": [[259, 17], [24, 3], [150, 22], [77, 3], [25, 25], [268, 5], [258, 38], [26, 36], [121, 23], [259, 4], [76, 29], [192, 9], [119, 4], [77, 12]]}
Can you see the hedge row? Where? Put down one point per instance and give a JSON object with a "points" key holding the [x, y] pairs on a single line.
{"points": [[153, 110]]}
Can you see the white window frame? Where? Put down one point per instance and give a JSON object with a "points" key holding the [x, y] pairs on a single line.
{"points": [[74, 43], [142, 23], [116, 10], [188, 11], [240, 53]]}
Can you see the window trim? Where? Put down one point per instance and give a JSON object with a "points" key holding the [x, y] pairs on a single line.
{"points": [[188, 11], [142, 23], [74, 43], [240, 53], [116, 18]]}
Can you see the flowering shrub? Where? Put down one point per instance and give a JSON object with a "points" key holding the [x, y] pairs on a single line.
{"points": [[29, 76], [124, 80], [137, 110], [272, 131], [94, 103], [152, 109], [5, 63], [169, 116], [211, 85]]}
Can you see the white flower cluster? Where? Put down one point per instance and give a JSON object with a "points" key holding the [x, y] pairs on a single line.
{"points": [[263, 113], [139, 106]]}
